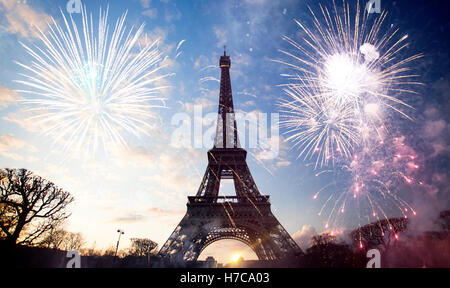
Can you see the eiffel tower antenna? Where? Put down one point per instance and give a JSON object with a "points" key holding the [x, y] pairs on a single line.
{"points": [[246, 217]]}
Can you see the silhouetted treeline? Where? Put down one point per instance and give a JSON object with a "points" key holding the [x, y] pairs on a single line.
{"points": [[327, 252], [399, 247], [22, 256]]}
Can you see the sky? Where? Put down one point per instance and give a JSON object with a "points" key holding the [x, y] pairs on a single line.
{"points": [[142, 189]]}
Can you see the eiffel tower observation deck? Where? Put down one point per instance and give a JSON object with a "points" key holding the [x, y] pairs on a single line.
{"points": [[245, 217]]}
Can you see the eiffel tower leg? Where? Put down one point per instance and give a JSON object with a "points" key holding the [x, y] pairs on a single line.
{"points": [[186, 241], [261, 249], [283, 241], [179, 242], [275, 242]]}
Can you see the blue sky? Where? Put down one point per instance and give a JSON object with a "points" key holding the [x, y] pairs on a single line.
{"points": [[143, 189]]}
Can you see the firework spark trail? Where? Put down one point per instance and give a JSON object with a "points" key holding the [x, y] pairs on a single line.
{"points": [[247, 94], [372, 180], [90, 86], [208, 67], [179, 44], [208, 78], [347, 87]]}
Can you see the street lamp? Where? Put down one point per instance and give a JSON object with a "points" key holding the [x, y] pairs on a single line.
{"points": [[121, 232]]}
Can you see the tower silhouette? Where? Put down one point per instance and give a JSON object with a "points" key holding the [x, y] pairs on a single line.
{"points": [[245, 217]]}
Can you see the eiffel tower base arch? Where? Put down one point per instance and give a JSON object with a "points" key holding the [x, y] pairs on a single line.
{"points": [[249, 221]]}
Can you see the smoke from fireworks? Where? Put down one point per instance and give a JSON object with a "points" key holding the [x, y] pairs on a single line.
{"points": [[369, 186], [89, 84], [347, 89]]}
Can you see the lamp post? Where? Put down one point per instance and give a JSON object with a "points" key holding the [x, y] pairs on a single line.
{"points": [[121, 232]]}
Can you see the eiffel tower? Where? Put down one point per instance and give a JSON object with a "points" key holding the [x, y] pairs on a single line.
{"points": [[245, 217]]}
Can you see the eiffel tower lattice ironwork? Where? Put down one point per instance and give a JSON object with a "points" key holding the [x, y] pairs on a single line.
{"points": [[245, 217]]}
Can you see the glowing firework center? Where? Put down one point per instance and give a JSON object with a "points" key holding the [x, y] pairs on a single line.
{"points": [[346, 79]]}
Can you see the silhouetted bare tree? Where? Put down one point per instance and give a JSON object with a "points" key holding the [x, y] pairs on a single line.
{"points": [[73, 241], [323, 239], [142, 246], [109, 252], [379, 234], [29, 206], [326, 252], [59, 238], [7, 218], [54, 239], [90, 251]]}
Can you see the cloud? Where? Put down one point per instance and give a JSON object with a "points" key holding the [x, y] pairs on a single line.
{"points": [[173, 173], [170, 173], [32, 159], [202, 62], [439, 148], [145, 3], [164, 212], [173, 14], [138, 155], [24, 118], [159, 35], [53, 169], [283, 163], [205, 103], [432, 129], [174, 183], [148, 12], [248, 103], [431, 112], [221, 35], [130, 218], [7, 96], [304, 235], [432, 146], [9, 143], [239, 64], [273, 153], [20, 19], [151, 13]]}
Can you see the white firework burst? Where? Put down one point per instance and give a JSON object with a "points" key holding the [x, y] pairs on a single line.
{"points": [[344, 98], [348, 76], [89, 85]]}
